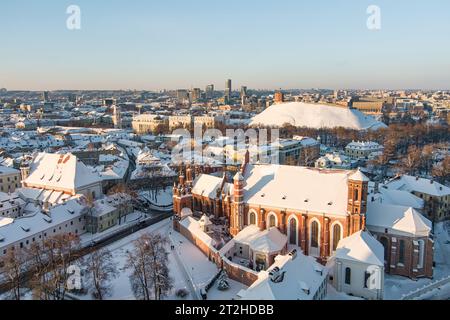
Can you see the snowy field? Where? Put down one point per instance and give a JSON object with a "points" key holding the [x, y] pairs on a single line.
{"points": [[162, 198], [189, 268]]}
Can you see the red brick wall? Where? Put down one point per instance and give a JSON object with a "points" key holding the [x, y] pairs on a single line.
{"points": [[233, 271], [412, 256]]}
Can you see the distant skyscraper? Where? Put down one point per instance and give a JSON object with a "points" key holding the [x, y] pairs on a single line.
{"points": [[210, 91], [117, 117], [182, 95], [196, 94], [243, 91], [45, 96], [228, 89]]}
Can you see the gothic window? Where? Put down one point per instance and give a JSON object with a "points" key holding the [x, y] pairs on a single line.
{"points": [[293, 231], [384, 242], [336, 236], [272, 221], [401, 255], [356, 194], [315, 234], [348, 276], [252, 218]]}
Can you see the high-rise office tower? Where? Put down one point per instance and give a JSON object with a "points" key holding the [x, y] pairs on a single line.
{"points": [[228, 89], [196, 94], [182, 95], [45, 96], [243, 91], [210, 91], [117, 117]]}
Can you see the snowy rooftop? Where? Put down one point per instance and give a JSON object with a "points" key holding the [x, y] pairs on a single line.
{"points": [[422, 185], [8, 170], [59, 171], [359, 176], [361, 247], [266, 241], [317, 116], [398, 197], [398, 219], [299, 188], [301, 280], [363, 145], [38, 222], [194, 227], [208, 186]]}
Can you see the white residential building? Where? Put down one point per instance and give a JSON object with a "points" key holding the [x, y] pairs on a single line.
{"points": [[358, 266], [363, 150], [20, 233], [9, 179]]}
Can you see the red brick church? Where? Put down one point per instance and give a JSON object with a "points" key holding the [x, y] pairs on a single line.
{"points": [[314, 208]]}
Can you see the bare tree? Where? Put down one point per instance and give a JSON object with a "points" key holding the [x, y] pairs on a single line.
{"points": [[13, 264], [149, 264], [61, 252], [102, 269], [39, 266], [411, 162]]}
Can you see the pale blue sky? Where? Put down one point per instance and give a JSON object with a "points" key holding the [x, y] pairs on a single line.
{"points": [[156, 44]]}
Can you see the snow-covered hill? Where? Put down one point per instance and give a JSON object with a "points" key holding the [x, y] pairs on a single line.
{"points": [[317, 116]]}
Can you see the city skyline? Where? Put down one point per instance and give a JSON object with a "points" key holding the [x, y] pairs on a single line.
{"points": [[262, 45]]}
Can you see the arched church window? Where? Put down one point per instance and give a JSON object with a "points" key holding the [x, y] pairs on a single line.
{"points": [[293, 231], [252, 218], [272, 221], [336, 236], [315, 234]]}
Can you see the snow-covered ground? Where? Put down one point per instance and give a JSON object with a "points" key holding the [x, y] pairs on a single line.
{"points": [[163, 197], [317, 116], [187, 266]]}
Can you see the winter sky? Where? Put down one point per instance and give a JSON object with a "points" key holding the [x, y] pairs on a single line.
{"points": [[157, 44]]}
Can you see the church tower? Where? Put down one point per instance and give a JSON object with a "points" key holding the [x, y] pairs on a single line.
{"points": [[237, 210], [358, 185], [117, 117]]}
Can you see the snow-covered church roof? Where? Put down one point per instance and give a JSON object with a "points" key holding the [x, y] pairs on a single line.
{"points": [[301, 278], [317, 116], [361, 247], [297, 188], [359, 176], [265, 241], [399, 219]]}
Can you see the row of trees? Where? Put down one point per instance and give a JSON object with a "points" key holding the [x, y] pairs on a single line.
{"points": [[56, 265]]}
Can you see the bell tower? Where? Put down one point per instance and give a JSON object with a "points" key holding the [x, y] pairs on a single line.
{"points": [[358, 185], [237, 210]]}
